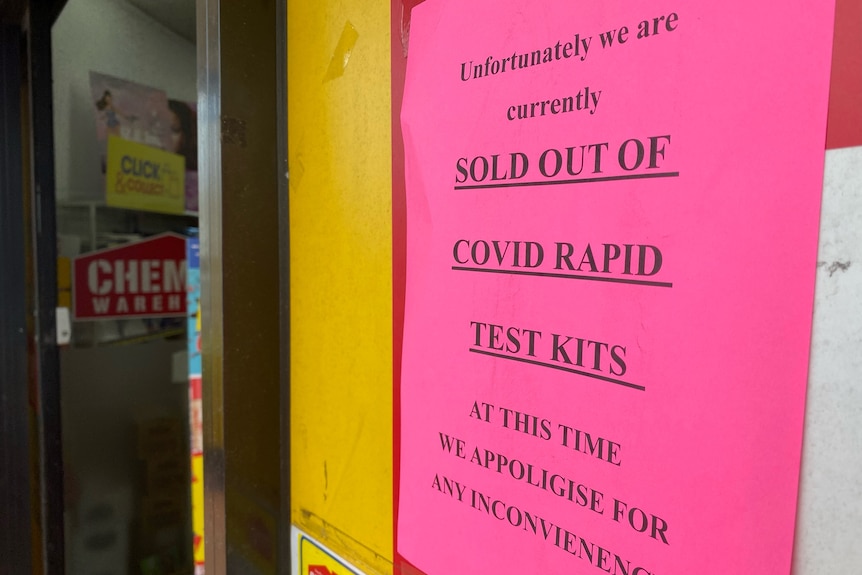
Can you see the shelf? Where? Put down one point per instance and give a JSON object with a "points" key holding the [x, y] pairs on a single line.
{"points": [[100, 204], [89, 219]]}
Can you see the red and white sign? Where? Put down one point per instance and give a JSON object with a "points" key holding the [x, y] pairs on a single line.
{"points": [[141, 279]]}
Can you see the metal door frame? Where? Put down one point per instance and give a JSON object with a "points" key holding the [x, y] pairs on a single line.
{"points": [[244, 266], [15, 543]]}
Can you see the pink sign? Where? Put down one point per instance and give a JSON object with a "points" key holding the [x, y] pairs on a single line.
{"points": [[612, 236]]}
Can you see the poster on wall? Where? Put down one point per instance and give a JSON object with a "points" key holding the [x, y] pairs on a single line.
{"points": [[196, 420], [130, 111], [184, 142], [138, 127], [612, 219]]}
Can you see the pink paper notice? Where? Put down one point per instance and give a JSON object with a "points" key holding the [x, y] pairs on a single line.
{"points": [[612, 234]]}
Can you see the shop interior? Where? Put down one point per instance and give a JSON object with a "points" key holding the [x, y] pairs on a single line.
{"points": [[127, 69]]}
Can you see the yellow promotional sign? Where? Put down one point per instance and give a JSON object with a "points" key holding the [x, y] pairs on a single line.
{"points": [[315, 559], [140, 177]]}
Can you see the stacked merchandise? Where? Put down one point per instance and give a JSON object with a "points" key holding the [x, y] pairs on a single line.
{"points": [[164, 505]]}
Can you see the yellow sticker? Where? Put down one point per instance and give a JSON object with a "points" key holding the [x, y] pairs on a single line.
{"points": [[314, 559], [198, 508], [140, 177]]}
